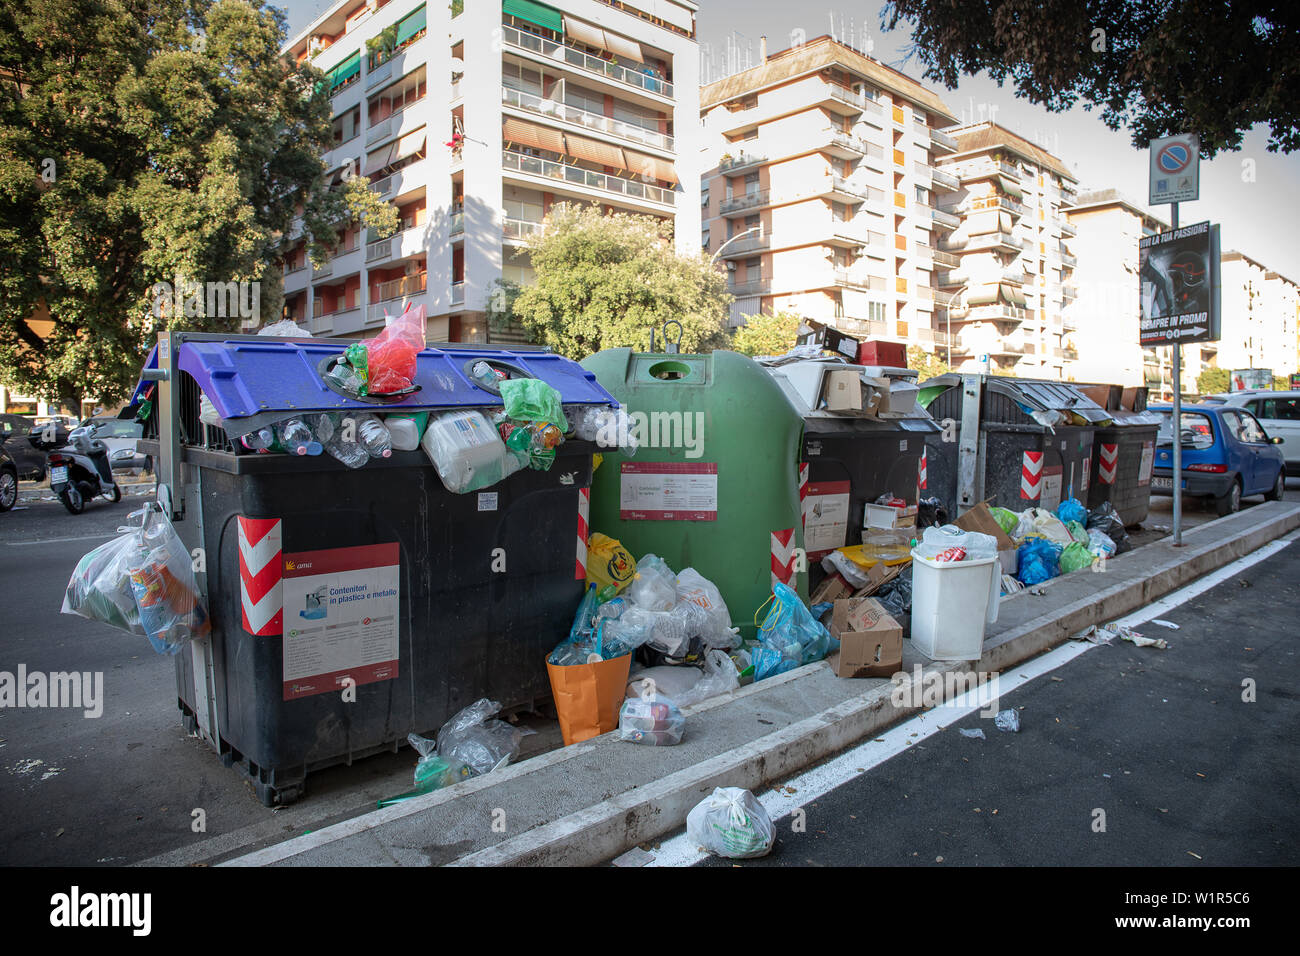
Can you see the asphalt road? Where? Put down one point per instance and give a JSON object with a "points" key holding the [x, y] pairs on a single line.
{"points": [[121, 787], [1186, 772]]}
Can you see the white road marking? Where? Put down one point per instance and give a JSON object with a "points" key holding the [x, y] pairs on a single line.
{"points": [[814, 784]]}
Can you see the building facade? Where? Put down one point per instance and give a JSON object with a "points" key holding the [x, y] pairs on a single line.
{"points": [[1258, 317], [819, 191], [1013, 275], [1103, 321], [473, 119]]}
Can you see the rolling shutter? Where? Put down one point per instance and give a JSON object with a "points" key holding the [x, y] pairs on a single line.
{"points": [[530, 134], [537, 13], [410, 26], [594, 151]]}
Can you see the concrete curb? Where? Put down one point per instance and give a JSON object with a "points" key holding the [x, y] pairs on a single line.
{"points": [[601, 832]]}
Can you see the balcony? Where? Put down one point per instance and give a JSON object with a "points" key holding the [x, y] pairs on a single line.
{"points": [[398, 64], [945, 220], [456, 223], [943, 140], [1068, 260], [841, 190], [376, 251], [927, 336], [983, 170], [520, 230], [1000, 241], [841, 145], [945, 299], [997, 312], [754, 199], [731, 165], [458, 292], [1068, 228], [572, 115], [943, 179], [323, 271], [396, 184], [942, 258], [1070, 355], [863, 328], [750, 287], [395, 297], [578, 177], [848, 103], [951, 277], [591, 65], [743, 247]]}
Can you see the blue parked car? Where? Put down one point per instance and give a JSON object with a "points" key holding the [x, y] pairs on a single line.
{"points": [[1226, 456]]}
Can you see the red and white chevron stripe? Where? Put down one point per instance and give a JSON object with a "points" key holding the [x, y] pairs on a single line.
{"points": [[1031, 475], [921, 476], [261, 576], [783, 545], [803, 489], [584, 511], [1108, 463]]}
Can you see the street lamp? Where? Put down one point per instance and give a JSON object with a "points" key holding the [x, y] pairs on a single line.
{"points": [[739, 235]]}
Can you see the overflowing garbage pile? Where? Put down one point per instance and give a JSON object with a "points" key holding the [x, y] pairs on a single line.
{"points": [[1072, 539], [470, 448]]}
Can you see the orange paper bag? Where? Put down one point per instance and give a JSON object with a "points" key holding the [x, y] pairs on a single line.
{"points": [[587, 696]]}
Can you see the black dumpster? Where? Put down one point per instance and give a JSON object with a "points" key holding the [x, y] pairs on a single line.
{"points": [[851, 460], [1017, 443], [454, 597], [1124, 452]]}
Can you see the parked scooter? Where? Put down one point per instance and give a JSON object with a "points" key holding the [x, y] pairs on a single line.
{"points": [[80, 471]]}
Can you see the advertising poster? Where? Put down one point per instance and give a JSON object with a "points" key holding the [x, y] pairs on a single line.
{"points": [[341, 615], [1179, 271]]}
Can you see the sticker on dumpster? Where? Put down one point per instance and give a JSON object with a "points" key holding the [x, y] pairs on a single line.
{"points": [[1087, 474], [259, 575], [1031, 475], [1144, 468], [1050, 496], [825, 517], [1107, 464], [783, 556], [668, 491], [487, 501], [341, 618]]}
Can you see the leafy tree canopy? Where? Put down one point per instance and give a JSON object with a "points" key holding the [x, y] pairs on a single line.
{"points": [[1157, 68], [928, 364], [142, 141], [766, 334], [604, 281]]}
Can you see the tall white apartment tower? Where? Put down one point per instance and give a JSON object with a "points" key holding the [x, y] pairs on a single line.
{"points": [[473, 119], [820, 187], [1013, 280]]}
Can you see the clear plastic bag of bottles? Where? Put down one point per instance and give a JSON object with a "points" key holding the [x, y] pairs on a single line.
{"points": [[651, 719]]}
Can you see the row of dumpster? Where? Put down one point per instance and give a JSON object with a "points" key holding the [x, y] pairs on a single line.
{"points": [[746, 471]]}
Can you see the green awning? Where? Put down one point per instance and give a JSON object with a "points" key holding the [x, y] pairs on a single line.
{"points": [[412, 25], [533, 12], [345, 70]]}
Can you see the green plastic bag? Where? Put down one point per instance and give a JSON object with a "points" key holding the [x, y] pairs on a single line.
{"points": [[359, 360], [1007, 520], [532, 400], [1077, 532], [520, 444], [1076, 557]]}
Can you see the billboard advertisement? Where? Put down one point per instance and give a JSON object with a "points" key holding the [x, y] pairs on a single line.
{"points": [[1179, 274], [1244, 379]]}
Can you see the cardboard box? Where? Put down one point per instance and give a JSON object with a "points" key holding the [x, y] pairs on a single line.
{"points": [[829, 338], [843, 390], [981, 519], [831, 589], [887, 518], [871, 641], [880, 389]]}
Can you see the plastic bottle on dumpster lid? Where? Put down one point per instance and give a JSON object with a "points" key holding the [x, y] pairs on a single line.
{"points": [[485, 376], [322, 425], [351, 453], [296, 438], [374, 436], [259, 440], [467, 451]]}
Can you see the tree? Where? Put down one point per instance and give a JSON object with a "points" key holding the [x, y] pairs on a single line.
{"points": [[142, 141], [1212, 381], [928, 364], [605, 281], [1192, 66], [766, 334]]}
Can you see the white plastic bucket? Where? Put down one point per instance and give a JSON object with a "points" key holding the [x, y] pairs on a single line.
{"points": [[950, 605]]}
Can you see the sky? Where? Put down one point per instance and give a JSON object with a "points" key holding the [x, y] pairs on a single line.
{"points": [[1251, 193]]}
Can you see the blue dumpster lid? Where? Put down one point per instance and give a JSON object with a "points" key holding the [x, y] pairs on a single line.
{"points": [[253, 375]]}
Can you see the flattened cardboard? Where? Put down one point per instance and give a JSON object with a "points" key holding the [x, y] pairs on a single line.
{"points": [[876, 650], [843, 389], [831, 589], [981, 519]]}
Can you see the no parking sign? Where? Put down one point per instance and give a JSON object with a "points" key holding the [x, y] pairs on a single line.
{"points": [[1175, 169]]}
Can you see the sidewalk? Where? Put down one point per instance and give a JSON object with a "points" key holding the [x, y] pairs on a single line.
{"points": [[585, 804]]}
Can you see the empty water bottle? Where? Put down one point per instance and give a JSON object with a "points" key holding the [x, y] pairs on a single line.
{"points": [[351, 453], [374, 436], [345, 377], [259, 440], [296, 438], [485, 376], [322, 425]]}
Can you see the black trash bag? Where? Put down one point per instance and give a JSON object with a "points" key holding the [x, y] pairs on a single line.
{"points": [[693, 655], [1106, 520], [930, 512], [896, 598]]}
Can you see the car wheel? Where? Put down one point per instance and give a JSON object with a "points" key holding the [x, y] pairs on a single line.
{"points": [[1229, 503], [8, 490], [1279, 487]]}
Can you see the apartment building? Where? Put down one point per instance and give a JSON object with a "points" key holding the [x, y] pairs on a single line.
{"points": [[473, 119], [1103, 321], [1013, 276], [819, 194], [1258, 317]]}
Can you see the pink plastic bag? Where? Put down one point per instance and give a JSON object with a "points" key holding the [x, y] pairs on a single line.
{"points": [[391, 353]]}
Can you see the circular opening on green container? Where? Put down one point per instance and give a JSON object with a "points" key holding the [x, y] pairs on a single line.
{"points": [[670, 370]]}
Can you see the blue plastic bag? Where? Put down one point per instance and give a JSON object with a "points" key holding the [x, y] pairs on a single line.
{"points": [[768, 662], [790, 630], [1037, 560], [1071, 510]]}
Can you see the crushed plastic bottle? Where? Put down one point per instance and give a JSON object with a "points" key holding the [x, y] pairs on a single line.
{"points": [[374, 436], [485, 376], [351, 453], [296, 438], [260, 439], [322, 425], [345, 377]]}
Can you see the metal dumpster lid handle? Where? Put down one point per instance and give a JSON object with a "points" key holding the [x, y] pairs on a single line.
{"points": [[673, 347]]}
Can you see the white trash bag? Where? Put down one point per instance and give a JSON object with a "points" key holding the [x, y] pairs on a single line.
{"points": [[731, 823]]}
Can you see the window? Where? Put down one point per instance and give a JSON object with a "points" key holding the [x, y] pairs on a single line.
{"points": [[753, 269], [1250, 430], [751, 182], [516, 76], [704, 239], [1279, 409], [922, 194], [876, 311]]}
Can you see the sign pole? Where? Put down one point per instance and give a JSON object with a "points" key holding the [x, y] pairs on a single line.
{"points": [[1178, 424]]}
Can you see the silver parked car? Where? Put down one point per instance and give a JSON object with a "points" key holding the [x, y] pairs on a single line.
{"points": [[1279, 413]]}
